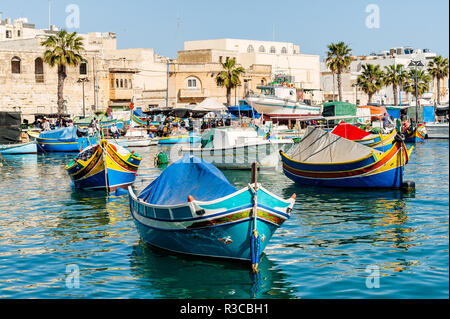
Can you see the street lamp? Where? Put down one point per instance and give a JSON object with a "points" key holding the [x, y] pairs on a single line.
{"points": [[82, 81], [354, 85], [416, 64]]}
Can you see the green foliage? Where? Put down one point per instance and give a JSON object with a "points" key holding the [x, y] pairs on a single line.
{"points": [[371, 80]]}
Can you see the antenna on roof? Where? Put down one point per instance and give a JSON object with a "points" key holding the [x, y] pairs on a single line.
{"points": [[49, 14]]}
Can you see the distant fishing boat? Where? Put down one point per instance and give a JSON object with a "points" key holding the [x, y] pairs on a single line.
{"points": [[104, 166], [67, 139], [177, 138], [280, 100], [380, 142], [416, 136], [325, 159], [10, 135], [18, 149], [120, 124], [191, 208], [239, 148]]}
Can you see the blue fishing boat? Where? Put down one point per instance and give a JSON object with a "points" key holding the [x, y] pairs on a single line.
{"points": [[325, 159], [19, 149], [67, 140], [193, 209], [104, 166]]}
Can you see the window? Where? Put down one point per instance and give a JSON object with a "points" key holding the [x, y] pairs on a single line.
{"points": [[15, 65], [250, 49], [262, 49], [112, 83], [83, 68], [192, 83], [39, 70], [131, 85], [117, 83], [284, 50], [8, 34], [273, 50], [18, 33], [126, 83], [121, 83]]}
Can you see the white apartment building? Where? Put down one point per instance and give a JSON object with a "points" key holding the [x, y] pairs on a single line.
{"points": [[284, 57], [398, 56]]}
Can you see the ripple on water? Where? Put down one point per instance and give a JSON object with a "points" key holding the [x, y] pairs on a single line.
{"points": [[324, 251]]}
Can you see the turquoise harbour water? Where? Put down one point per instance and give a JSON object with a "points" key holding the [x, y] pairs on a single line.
{"points": [[47, 230]]}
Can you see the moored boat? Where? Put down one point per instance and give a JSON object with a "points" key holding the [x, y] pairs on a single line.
{"points": [[104, 166], [18, 149], [68, 139], [416, 135], [177, 138], [239, 148], [325, 159], [193, 209], [280, 101]]}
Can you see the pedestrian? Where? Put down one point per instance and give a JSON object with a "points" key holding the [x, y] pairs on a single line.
{"points": [[115, 131]]}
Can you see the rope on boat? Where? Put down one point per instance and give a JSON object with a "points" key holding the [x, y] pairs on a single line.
{"points": [[255, 239]]}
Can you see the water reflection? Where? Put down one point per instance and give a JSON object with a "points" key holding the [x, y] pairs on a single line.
{"points": [[184, 277]]}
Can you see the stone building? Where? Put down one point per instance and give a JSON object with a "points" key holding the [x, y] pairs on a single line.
{"points": [[115, 77], [284, 58], [193, 77]]}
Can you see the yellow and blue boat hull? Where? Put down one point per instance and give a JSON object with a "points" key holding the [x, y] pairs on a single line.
{"points": [[105, 169]]}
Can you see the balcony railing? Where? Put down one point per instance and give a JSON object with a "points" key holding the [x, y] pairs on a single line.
{"points": [[192, 93]]}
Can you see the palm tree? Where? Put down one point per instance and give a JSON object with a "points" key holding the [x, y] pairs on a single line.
{"points": [[438, 69], [63, 50], [338, 61], [370, 80], [396, 77], [423, 82], [229, 77]]}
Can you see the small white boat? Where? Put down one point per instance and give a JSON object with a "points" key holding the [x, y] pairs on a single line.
{"points": [[437, 130], [239, 148], [142, 142], [17, 149]]}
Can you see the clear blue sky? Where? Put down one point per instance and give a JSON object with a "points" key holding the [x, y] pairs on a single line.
{"points": [[310, 24]]}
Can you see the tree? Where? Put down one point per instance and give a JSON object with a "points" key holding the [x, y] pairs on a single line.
{"points": [[229, 77], [423, 82], [338, 61], [371, 80], [394, 76], [438, 69], [63, 50]]}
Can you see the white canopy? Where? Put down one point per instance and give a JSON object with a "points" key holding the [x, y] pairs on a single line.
{"points": [[209, 105], [321, 147]]}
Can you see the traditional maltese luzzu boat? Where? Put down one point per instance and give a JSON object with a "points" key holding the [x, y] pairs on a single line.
{"points": [[104, 166], [193, 209], [325, 159]]}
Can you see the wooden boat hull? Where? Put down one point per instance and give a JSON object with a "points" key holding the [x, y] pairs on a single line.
{"points": [[105, 169], [242, 157], [418, 136], [72, 145], [383, 172], [220, 228], [18, 149]]}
